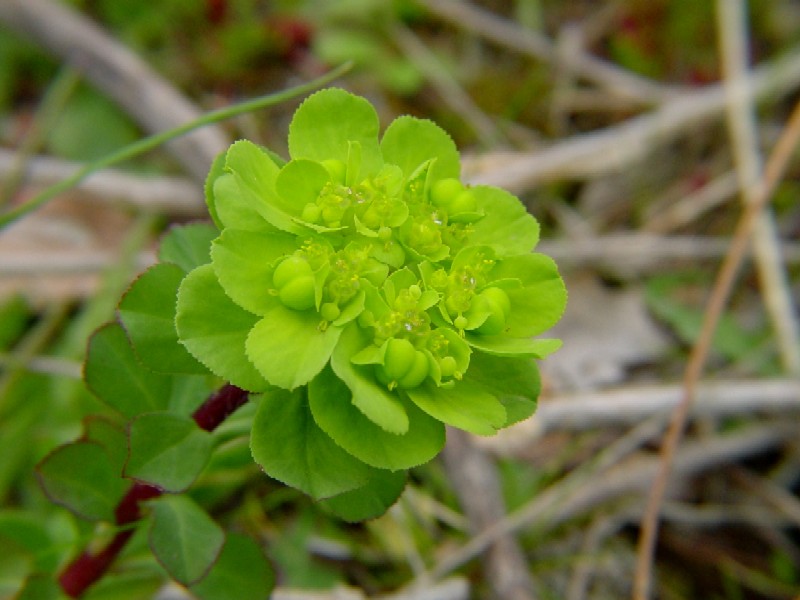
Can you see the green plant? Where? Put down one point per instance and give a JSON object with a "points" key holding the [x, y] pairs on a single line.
{"points": [[342, 309]]}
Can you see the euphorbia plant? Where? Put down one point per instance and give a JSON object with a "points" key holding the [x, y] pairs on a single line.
{"points": [[359, 295]]}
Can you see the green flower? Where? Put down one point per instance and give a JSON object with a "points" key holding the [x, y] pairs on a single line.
{"points": [[364, 277]]}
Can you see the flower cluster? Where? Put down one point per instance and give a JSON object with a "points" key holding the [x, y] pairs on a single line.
{"points": [[364, 274]]}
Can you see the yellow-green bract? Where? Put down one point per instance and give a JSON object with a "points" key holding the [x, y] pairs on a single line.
{"points": [[381, 294]]}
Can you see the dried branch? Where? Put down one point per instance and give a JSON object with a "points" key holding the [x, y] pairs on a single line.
{"points": [[510, 35], [475, 481], [723, 285], [630, 405], [617, 147], [743, 129], [556, 505], [149, 98], [177, 196]]}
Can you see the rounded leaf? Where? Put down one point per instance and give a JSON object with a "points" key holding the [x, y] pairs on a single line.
{"points": [[290, 447], [331, 404], [214, 329], [328, 122]]}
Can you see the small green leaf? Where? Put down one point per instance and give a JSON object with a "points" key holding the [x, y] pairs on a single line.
{"points": [[115, 375], [369, 501], [515, 382], [501, 345], [506, 226], [290, 447], [217, 170], [254, 173], [214, 329], [475, 410], [183, 538], [332, 407], [241, 571], [16, 563], [244, 261], [81, 477], [372, 398], [409, 142], [325, 124], [40, 587], [147, 311], [288, 346], [167, 451], [188, 245], [299, 183], [14, 319], [539, 303], [110, 436], [28, 531], [235, 210]]}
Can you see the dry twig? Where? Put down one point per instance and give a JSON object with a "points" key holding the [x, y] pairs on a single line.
{"points": [[618, 146], [477, 485], [723, 284], [512, 36], [149, 98]]}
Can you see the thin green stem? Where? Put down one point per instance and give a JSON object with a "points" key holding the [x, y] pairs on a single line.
{"points": [[155, 140]]}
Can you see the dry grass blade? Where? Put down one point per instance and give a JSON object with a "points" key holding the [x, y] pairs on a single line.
{"points": [[775, 166]]}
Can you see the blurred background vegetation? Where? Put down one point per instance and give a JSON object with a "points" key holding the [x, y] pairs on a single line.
{"points": [[608, 118]]}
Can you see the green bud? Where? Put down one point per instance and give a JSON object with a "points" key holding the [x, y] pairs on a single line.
{"points": [[290, 268], [444, 191], [294, 280], [464, 202], [298, 293], [403, 365], [311, 213], [330, 311]]}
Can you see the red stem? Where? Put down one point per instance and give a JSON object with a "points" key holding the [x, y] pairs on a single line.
{"points": [[88, 567]]}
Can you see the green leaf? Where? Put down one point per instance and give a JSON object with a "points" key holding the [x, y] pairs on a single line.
{"points": [[40, 587], [515, 382], [167, 451], [502, 345], [506, 225], [188, 245], [183, 538], [299, 183], [408, 142], [114, 374], [325, 124], [475, 410], [241, 571], [28, 531], [147, 311], [16, 563], [288, 348], [81, 477], [214, 329], [377, 403], [332, 407], [539, 303], [235, 210], [369, 501], [110, 437], [217, 170], [254, 173], [290, 447], [244, 261], [90, 126], [14, 319]]}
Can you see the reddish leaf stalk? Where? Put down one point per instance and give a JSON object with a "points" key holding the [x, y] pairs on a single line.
{"points": [[89, 567]]}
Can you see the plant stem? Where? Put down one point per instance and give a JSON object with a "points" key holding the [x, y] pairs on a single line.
{"points": [[153, 141], [89, 567]]}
